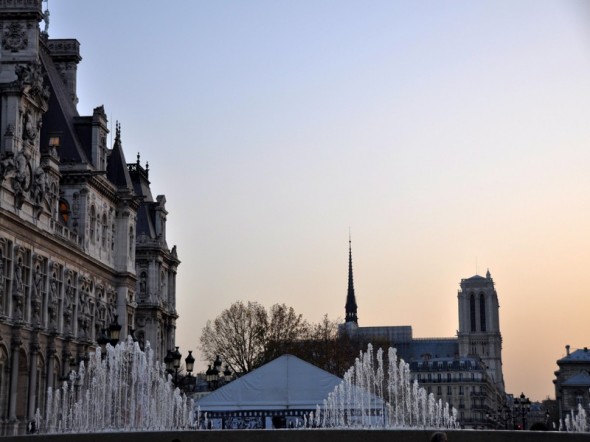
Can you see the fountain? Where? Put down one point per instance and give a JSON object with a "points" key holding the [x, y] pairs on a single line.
{"points": [[370, 397], [124, 389]]}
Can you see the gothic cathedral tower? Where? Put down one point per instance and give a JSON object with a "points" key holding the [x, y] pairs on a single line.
{"points": [[479, 324]]}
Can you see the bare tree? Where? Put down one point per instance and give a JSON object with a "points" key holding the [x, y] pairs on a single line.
{"points": [[237, 335], [285, 329], [246, 336]]}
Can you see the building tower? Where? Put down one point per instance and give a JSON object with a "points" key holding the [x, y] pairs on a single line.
{"points": [[350, 307], [479, 324]]}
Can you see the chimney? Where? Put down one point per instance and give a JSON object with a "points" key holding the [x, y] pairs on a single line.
{"points": [[65, 53], [567, 350]]}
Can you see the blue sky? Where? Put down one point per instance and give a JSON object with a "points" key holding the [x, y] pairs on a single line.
{"points": [[449, 136]]}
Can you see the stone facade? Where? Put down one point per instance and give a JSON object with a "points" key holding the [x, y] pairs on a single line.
{"points": [[77, 224]]}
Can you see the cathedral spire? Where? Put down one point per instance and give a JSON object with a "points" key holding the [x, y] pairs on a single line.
{"points": [[350, 298]]}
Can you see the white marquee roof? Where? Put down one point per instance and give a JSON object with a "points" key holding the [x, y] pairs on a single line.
{"points": [[285, 383]]}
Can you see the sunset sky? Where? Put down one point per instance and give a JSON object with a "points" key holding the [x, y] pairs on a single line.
{"points": [[449, 136]]}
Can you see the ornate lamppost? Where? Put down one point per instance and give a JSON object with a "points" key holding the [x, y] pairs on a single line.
{"points": [[112, 337], [115, 331], [215, 377], [524, 405], [189, 364], [172, 361]]}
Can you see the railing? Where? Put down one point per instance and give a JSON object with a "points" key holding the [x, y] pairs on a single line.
{"points": [[65, 233], [447, 381]]}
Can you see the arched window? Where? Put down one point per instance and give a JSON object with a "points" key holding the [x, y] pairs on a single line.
{"points": [[472, 311], [482, 312]]}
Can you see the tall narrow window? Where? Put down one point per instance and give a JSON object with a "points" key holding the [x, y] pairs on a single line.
{"points": [[482, 312], [131, 242], [92, 222], [472, 311], [104, 230]]}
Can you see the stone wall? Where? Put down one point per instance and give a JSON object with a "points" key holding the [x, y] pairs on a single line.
{"points": [[307, 436]]}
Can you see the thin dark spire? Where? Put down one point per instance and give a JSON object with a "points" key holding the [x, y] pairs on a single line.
{"points": [[350, 298]]}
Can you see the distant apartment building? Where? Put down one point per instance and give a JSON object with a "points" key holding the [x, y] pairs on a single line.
{"points": [[572, 381]]}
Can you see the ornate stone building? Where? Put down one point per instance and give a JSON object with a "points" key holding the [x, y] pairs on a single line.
{"points": [[465, 371], [82, 240]]}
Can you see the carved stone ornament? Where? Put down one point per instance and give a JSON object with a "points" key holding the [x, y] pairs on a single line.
{"points": [[21, 181], [15, 38], [6, 165], [30, 80], [29, 127]]}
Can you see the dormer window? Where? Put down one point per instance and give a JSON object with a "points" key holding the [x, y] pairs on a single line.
{"points": [[54, 141]]}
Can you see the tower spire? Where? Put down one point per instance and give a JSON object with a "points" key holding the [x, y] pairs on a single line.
{"points": [[350, 298]]}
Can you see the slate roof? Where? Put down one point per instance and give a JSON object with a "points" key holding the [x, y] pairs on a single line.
{"points": [[435, 347], [582, 379], [61, 116], [579, 355]]}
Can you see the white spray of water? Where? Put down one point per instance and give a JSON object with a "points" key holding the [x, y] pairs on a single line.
{"points": [[368, 398], [127, 390]]}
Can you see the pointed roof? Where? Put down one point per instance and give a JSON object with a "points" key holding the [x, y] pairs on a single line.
{"points": [[117, 171], [351, 307], [284, 383], [61, 115]]}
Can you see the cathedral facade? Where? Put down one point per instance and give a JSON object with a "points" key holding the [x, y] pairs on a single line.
{"points": [[464, 371], [83, 251]]}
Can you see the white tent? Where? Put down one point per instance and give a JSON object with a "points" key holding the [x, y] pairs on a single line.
{"points": [[287, 383]]}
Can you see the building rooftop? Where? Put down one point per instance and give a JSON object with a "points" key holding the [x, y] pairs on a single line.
{"points": [[578, 355]]}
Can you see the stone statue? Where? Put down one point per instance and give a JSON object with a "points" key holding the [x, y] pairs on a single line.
{"points": [[18, 278], [53, 292], [37, 283], [39, 186]]}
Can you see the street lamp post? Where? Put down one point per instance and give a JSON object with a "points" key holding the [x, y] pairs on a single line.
{"points": [[109, 336], [524, 405], [176, 355], [115, 331], [189, 363], [215, 376], [172, 361]]}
